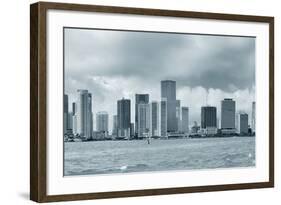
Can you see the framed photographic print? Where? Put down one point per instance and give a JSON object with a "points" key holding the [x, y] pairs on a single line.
{"points": [[135, 102]]}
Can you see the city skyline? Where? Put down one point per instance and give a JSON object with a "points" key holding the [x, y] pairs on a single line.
{"points": [[206, 68], [147, 122]]}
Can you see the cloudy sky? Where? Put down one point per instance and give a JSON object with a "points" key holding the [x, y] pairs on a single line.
{"points": [[116, 64]]}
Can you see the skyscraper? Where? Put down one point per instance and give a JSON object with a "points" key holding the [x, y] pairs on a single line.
{"points": [[178, 115], [65, 103], [228, 115], [102, 121], [70, 122], [84, 114], [168, 91], [154, 119], [124, 118], [143, 120], [208, 117], [74, 124], [132, 130], [140, 99], [243, 123], [253, 124], [115, 125], [163, 117], [185, 119], [74, 118], [65, 113], [74, 108], [209, 120]]}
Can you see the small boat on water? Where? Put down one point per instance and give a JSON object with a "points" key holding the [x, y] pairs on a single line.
{"points": [[77, 140]]}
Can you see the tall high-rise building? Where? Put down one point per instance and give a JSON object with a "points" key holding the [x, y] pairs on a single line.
{"points": [[70, 122], [143, 120], [124, 118], [154, 119], [115, 125], [218, 123], [65, 103], [163, 117], [209, 120], [132, 130], [253, 123], [74, 108], [102, 121], [74, 124], [185, 119], [74, 118], [243, 123], [140, 99], [228, 115], [65, 113], [208, 117], [178, 115], [168, 91], [84, 114]]}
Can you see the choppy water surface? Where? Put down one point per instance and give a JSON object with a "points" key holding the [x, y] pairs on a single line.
{"points": [[105, 157]]}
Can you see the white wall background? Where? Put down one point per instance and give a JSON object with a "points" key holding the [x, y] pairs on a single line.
{"points": [[14, 102]]}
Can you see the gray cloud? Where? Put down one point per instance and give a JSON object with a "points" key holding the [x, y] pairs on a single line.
{"points": [[193, 60]]}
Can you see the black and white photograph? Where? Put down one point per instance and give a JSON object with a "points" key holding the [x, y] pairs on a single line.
{"points": [[141, 101]]}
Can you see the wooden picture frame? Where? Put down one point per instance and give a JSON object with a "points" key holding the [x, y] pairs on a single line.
{"points": [[38, 100]]}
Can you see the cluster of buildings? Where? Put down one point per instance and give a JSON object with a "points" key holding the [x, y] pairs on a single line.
{"points": [[160, 119], [78, 122], [231, 121]]}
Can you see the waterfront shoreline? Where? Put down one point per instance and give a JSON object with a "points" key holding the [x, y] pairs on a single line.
{"points": [[159, 138]]}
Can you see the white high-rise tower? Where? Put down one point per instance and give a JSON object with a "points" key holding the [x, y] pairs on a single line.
{"points": [[154, 119], [84, 114], [228, 116]]}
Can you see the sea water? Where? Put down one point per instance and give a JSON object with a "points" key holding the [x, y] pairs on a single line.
{"points": [[106, 157]]}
